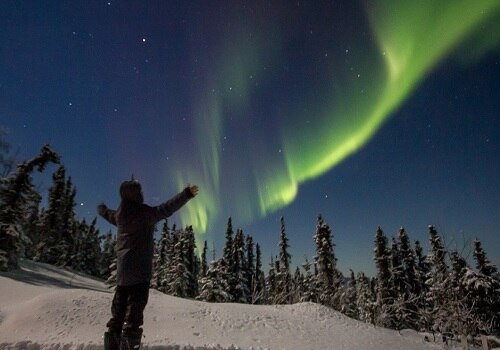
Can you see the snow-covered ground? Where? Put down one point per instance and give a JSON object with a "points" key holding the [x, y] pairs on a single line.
{"points": [[44, 307]]}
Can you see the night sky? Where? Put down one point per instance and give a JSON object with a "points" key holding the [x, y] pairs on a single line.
{"points": [[377, 113]]}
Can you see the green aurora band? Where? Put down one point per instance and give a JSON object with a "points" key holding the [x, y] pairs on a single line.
{"points": [[411, 38]]}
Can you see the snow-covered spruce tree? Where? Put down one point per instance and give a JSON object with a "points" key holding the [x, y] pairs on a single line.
{"points": [[270, 287], [169, 270], [283, 276], [204, 265], [422, 273], [238, 283], [297, 286], [228, 256], [365, 303], [397, 271], [158, 281], [53, 244], [483, 264], [411, 293], [398, 309], [13, 192], [30, 225], [385, 296], [435, 312], [484, 288], [459, 321], [409, 264], [192, 262], [7, 159], [108, 255], [259, 278], [90, 249], [180, 274], [348, 298], [310, 293], [68, 220], [329, 278], [213, 288], [250, 268]]}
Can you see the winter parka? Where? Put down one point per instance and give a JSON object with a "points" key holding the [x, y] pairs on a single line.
{"points": [[135, 243]]}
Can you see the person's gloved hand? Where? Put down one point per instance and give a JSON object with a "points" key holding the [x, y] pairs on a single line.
{"points": [[193, 189], [101, 209]]}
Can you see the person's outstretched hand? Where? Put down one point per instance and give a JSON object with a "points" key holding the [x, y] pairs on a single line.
{"points": [[101, 209], [193, 189]]}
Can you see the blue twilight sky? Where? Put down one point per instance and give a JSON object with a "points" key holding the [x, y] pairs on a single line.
{"points": [[248, 99]]}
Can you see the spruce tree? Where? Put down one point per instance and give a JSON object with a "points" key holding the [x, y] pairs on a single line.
{"points": [[238, 283], [171, 261], [436, 295], [385, 297], [259, 277], [159, 280], [91, 250], [284, 278], [484, 292], [192, 262], [310, 293], [328, 279], [213, 288], [411, 296], [348, 299], [53, 244], [7, 159], [297, 289], [30, 224], [228, 257], [250, 268], [180, 274], [204, 265], [483, 264], [365, 299], [457, 304], [422, 267], [409, 265], [398, 309], [13, 192], [108, 255], [228, 248], [397, 270], [68, 217], [422, 274], [270, 287]]}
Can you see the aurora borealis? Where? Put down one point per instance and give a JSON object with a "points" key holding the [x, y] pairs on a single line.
{"points": [[369, 112], [356, 100]]}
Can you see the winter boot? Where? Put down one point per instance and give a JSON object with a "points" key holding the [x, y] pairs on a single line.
{"points": [[111, 341], [130, 342]]}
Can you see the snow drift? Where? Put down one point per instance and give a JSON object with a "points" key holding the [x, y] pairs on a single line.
{"points": [[45, 307]]}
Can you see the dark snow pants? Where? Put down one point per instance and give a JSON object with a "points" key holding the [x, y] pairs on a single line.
{"points": [[127, 309]]}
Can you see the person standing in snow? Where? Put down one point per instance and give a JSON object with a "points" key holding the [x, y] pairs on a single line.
{"points": [[135, 222]]}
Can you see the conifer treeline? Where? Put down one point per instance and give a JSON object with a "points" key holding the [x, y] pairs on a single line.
{"points": [[54, 234], [439, 293]]}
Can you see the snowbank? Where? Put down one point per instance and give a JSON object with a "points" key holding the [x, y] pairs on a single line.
{"points": [[44, 307]]}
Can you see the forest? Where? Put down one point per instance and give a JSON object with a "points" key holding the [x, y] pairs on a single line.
{"points": [[437, 292]]}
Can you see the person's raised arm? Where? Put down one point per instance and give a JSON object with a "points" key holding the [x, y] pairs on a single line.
{"points": [[176, 202], [107, 213]]}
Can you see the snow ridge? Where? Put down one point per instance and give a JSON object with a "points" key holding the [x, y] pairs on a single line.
{"points": [[41, 308]]}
